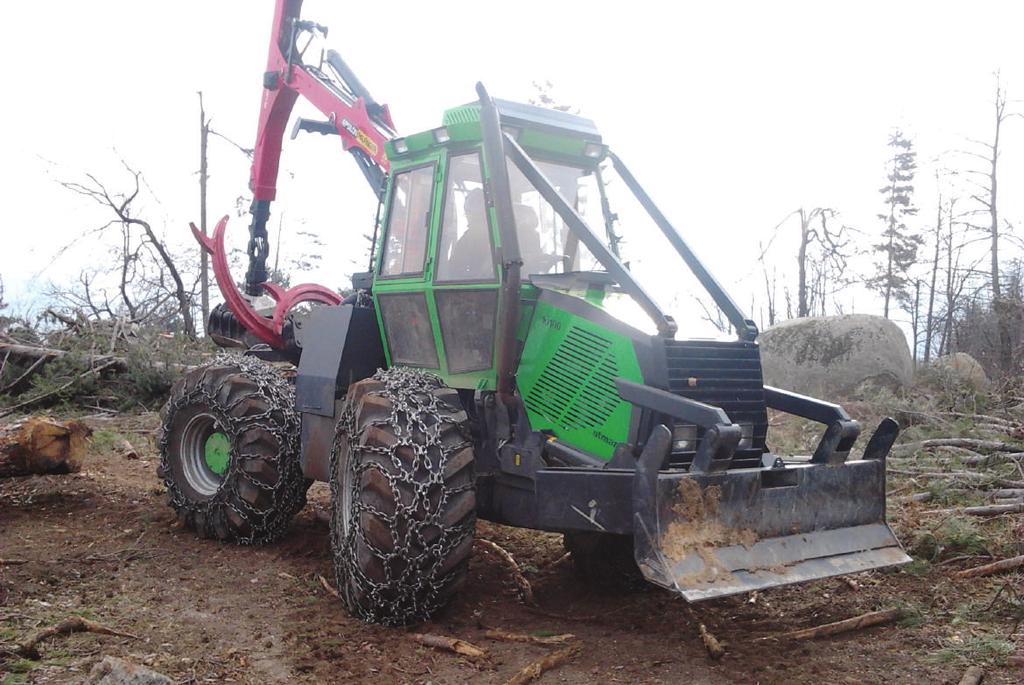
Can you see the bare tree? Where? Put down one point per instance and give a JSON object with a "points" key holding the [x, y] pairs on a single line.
{"points": [[204, 269], [988, 197], [930, 317], [138, 238], [769, 290]]}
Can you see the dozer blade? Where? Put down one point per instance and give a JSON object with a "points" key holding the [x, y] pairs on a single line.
{"points": [[706, 572], [716, 534]]}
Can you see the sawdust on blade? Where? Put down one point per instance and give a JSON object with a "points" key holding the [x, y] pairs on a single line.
{"points": [[697, 529]]}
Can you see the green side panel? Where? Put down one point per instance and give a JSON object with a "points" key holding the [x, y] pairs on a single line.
{"points": [[567, 379]]}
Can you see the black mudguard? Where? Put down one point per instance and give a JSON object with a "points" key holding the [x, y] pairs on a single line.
{"points": [[340, 345]]}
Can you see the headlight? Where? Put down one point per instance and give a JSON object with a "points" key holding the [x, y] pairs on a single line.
{"points": [[684, 437], [593, 150], [441, 135], [401, 146]]}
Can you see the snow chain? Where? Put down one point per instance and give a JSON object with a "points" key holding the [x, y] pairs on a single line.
{"points": [[281, 420], [411, 590]]}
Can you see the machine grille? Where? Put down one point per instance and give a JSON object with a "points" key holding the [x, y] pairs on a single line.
{"points": [[577, 390], [725, 374]]}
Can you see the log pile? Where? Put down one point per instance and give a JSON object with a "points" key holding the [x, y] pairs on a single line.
{"points": [[41, 445]]}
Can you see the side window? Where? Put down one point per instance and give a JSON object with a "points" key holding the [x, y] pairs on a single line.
{"points": [[464, 253], [408, 222]]}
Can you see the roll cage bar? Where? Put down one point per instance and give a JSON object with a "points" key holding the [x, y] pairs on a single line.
{"points": [[499, 146]]}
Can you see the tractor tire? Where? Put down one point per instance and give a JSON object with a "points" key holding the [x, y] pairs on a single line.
{"points": [[229, 451], [403, 497], [603, 558]]}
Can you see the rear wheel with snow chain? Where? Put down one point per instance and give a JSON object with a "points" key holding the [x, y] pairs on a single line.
{"points": [[404, 502], [229, 451]]}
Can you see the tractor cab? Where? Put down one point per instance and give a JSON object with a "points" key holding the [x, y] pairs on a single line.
{"points": [[438, 269]]}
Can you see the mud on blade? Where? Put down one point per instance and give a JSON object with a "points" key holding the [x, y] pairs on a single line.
{"points": [[707, 535]]}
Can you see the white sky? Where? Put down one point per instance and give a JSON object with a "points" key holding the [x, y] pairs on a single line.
{"points": [[732, 114]]}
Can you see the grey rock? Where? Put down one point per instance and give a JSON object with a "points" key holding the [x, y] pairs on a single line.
{"points": [[962, 369], [847, 356], [114, 671]]}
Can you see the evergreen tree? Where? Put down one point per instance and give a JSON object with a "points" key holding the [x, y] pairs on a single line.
{"points": [[897, 250]]}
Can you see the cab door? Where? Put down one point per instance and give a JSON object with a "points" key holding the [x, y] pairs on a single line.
{"points": [[465, 275], [404, 266]]}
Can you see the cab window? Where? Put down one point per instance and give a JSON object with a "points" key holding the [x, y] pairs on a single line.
{"points": [[464, 251], [405, 246], [545, 243]]}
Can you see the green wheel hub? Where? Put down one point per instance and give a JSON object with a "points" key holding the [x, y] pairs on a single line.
{"points": [[217, 452], [205, 454]]}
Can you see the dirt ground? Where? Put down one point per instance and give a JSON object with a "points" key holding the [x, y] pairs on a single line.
{"points": [[103, 544]]}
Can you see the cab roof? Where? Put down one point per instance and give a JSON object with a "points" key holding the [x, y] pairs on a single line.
{"points": [[532, 116]]}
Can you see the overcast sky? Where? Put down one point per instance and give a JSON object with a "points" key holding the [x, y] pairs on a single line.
{"points": [[732, 114]]}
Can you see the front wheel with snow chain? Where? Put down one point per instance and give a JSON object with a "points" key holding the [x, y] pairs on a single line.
{"points": [[404, 500], [229, 451]]}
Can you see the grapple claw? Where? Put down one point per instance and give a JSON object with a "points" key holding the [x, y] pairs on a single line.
{"points": [[268, 330]]}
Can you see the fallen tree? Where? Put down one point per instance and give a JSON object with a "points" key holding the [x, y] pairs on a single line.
{"points": [[113, 362]]}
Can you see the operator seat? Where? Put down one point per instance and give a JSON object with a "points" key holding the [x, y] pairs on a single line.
{"points": [[535, 259], [471, 257]]}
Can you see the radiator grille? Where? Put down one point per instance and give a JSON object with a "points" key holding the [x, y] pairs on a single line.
{"points": [[724, 374], [577, 389]]}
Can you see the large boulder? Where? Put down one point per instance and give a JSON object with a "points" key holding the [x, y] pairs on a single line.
{"points": [[836, 356], [960, 369]]}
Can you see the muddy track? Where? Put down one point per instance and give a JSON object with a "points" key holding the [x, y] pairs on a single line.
{"points": [[104, 544]]}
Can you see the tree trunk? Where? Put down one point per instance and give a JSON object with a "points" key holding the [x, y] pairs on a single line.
{"points": [[930, 318], [947, 329], [915, 318], [204, 270], [38, 445], [180, 294], [1002, 310], [802, 308]]}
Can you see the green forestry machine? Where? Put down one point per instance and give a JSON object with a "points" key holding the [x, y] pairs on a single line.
{"points": [[480, 370]]}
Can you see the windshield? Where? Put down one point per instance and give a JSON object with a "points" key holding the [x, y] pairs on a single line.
{"points": [[546, 244]]}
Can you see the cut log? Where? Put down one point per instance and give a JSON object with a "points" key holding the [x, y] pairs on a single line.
{"points": [[536, 669], [959, 475], [529, 639], [972, 676], [126, 449], [1008, 493], [40, 445], [714, 648], [993, 568], [76, 624], [992, 459], [525, 589], [874, 618], [449, 644], [987, 510], [969, 443]]}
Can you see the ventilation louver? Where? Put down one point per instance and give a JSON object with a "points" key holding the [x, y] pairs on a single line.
{"points": [[577, 390]]}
